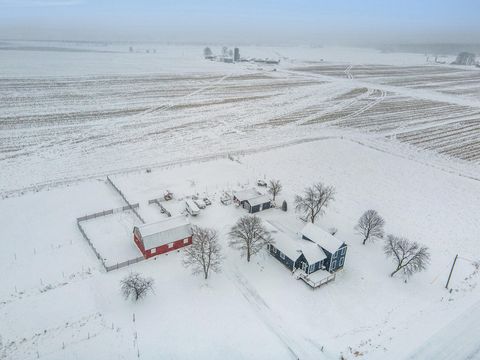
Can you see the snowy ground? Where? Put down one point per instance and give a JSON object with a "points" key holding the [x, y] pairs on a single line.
{"points": [[389, 131], [56, 302], [69, 115]]}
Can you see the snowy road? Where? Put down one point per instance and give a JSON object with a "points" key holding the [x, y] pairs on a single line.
{"points": [[455, 341]]}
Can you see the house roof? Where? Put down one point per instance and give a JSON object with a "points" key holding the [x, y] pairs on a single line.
{"points": [[247, 194], [165, 231], [324, 239], [294, 246]]}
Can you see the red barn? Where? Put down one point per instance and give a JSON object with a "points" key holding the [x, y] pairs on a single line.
{"points": [[163, 236]]}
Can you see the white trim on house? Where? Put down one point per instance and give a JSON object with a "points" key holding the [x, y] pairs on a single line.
{"points": [[333, 264]]}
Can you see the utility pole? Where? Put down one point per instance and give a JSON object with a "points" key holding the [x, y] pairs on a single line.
{"points": [[451, 271]]}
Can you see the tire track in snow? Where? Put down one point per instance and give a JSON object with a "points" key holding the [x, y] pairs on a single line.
{"points": [[308, 350], [164, 107]]}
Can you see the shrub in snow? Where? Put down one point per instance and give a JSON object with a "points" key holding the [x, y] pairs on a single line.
{"points": [[274, 188], [284, 205], [370, 226], [249, 235], [333, 231], [408, 256], [204, 254], [136, 286], [314, 200]]}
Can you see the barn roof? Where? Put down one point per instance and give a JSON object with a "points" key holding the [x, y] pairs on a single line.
{"points": [[165, 231], [324, 239], [293, 246]]}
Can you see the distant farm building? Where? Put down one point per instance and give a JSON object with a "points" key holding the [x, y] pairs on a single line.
{"points": [[236, 54], [251, 200], [313, 261], [163, 236]]}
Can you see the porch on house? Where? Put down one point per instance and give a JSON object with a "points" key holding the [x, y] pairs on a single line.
{"points": [[315, 279]]}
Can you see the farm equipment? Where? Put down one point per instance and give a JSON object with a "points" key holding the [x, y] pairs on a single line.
{"points": [[168, 195]]}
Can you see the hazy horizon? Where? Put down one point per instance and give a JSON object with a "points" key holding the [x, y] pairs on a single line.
{"points": [[350, 23]]}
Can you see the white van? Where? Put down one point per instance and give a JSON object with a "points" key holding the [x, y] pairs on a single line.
{"points": [[191, 207]]}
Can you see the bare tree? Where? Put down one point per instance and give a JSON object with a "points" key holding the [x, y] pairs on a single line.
{"points": [[314, 201], [370, 226], [274, 188], [136, 286], [249, 235], [409, 256], [204, 254]]}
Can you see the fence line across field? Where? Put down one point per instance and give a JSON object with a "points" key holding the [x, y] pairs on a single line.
{"points": [[109, 212], [124, 263], [125, 199], [84, 234], [81, 219]]}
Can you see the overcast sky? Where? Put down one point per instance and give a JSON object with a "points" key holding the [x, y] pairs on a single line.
{"points": [[245, 21]]}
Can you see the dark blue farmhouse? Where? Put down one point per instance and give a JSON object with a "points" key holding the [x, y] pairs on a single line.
{"points": [[334, 249], [314, 250], [294, 252]]}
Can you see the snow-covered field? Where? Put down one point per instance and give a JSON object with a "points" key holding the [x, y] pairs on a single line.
{"points": [[374, 125], [86, 113], [58, 299]]}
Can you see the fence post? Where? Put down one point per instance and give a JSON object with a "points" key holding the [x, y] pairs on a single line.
{"points": [[451, 271]]}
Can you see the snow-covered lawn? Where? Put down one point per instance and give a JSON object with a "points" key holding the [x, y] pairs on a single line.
{"points": [[112, 236], [256, 310]]}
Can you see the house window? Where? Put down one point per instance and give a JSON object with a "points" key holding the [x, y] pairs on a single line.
{"points": [[185, 241], [334, 265], [342, 260], [311, 268], [153, 251], [170, 245], [334, 255], [344, 250], [282, 256], [274, 249]]}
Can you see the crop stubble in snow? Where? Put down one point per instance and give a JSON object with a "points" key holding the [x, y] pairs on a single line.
{"points": [[58, 127]]}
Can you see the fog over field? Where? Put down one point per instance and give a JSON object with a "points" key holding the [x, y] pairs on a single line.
{"points": [[161, 165]]}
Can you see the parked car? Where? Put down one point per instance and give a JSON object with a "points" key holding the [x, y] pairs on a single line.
{"points": [[191, 207], [261, 183], [200, 203], [207, 201]]}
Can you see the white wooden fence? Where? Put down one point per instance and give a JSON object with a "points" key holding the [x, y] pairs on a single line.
{"points": [[81, 219], [125, 199]]}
